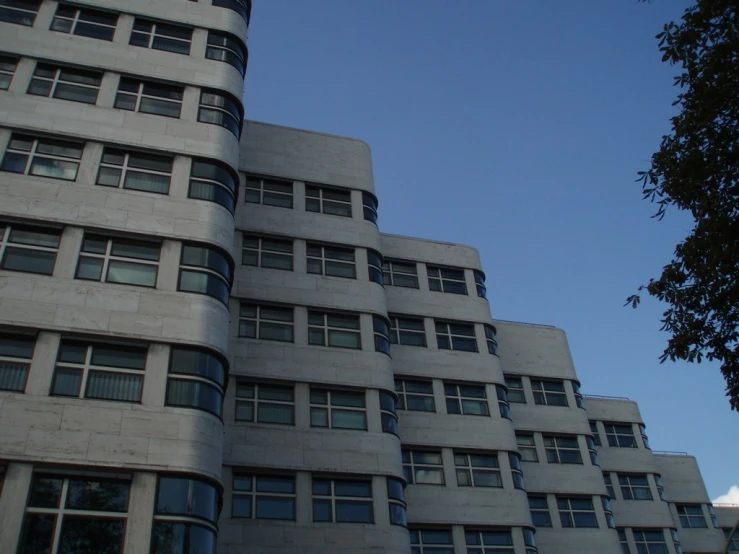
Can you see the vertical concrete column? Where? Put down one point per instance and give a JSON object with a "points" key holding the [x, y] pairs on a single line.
{"points": [[423, 276], [123, 30], [42, 365], [367, 332], [301, 325], [360, 257], [13, 503], [380, 501], [299, 196], [460, 546], [302, 405], [439, 396], [374, 419], [527, 392], [155, 382], [300, 262], [304, 497], [430, 329], [199, 43], [169, 265], [45, 15], [450, 473], [554, 511], [90, 163], [180, 184], [108, 89], [190, 103], [504, 463], [22, 76], [66, 258], [141, 504], [227, 480], [357, 209]]}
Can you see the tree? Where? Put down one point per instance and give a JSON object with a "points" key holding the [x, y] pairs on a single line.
{"points": [[697, 169]]}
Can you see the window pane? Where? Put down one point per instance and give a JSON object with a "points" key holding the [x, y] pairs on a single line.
{"points": [[101, 496], [31, 261], [67, 382], [39, 534], [356, 512], [91, 535], [342, 419], [114, 386], [275, 413], [131, 273], [275, 508]]}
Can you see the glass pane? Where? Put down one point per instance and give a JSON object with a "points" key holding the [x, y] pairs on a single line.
{"points": [[132, 273], [39, 534], [357, 512], [13, 376], [135, 249], [344, 339], [342, 419], [321, 510], [101, 496], [45, 492], [318, 417], [91, 535], [114, 386], [57, 169], [67, 382], [194, 394], [275, 508], [275, 413], [241, 506], [35, 237], [275, 484], [31, 261]]}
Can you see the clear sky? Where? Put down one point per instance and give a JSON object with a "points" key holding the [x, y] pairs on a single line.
{"points": [[516, 127]]}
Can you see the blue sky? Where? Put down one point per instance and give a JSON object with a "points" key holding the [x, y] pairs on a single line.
{"points": [[516, 127]]}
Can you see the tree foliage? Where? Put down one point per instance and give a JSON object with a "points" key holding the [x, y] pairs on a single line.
{"points": [[697, 169]]}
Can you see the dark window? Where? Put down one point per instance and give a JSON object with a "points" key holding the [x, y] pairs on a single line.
{"points": [[650, 541], [328, 201], [452, 335], [332, 261], [400, 274], [270, 192], [466, 399], [503, 406], [387, 413], [596, 433], [407, 331], [135, 171], [85, 22], [20, 12], [477, 469], [189, 497], [576, 511], [214, 182], [431, 541], [482, 292], [579, 402], [382, 334], [161, 36], [369, 205], [206, 271], [539, 508], [242, 7], [28, 249], [591, 450], [170, 537], [620, 435], [734, 542], [610, 521], [342, 501], [490, 339], [549, 393], [396, 502], [221, 109], [691, 516], [609, 485], [118, 260], [623, 541], [527, 447], [443, 279], [515, 389], [266, 322], [65, 83], [16, 351], [263, 496], [562, 449], [374, 266], [43, 157], [415, 396], [634, 487], [489, 542], [645, 439], [423, 467], [660, 488], [267, 252], [227, 48], [265, 403], [334, 329], [149, 97], [337, 409], [8, 65], [196, 380]]}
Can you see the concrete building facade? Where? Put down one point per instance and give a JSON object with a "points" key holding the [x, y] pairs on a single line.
{"points": [[206, 344]]}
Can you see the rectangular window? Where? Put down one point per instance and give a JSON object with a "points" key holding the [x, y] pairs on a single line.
{"points": [[549, 393], [161, 36], [620, 435], [337, 409], [415, 396], [20, 12], [205, 270], [16, 351], [539, 507], [196, 380], [265, 403], [595, 432], [43, 157], [8, 65], [466, 399], [149, 97], [333, 329], [266, 322], [28, 249], [98, 370], [267, 252], [118, 260], [562, 449], [342, 501], [609, 485], [408, 331], [452, 335], [515, 389], [650, 541], [488, 542], [477, 469], [423, 467], [400, 274], [76, 514], [65, 83], [328, 201], [444, 279], [623, 541], [431, 541], [135, 171], [576, 511], [270, 192], [734, 542], [85, 22], [263, 496], [214, 182], [226, 48], [691, 516], [634, 487], [527, 447], [332, 261], [222, 110]]}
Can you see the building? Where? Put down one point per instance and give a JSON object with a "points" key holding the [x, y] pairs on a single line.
{"points": [[196, 326]]}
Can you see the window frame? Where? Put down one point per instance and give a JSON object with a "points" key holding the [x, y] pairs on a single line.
{"points": [[330, 407], [572, 513], [401, 389], [449, 337], [632, 489], [260, 321], [108, 257], [516, 389], [541, 511], [688, 520], [145, 97], [642, 539], [335, 500], [392, 270], [555, 450], [478, 538], [529, 448], [615, 436], [78, 21], [316, 198], [464, 465], [254, 495], [459, 398], [223, 189], [61, 81], [420, 544], [330, 258], [8, 65], [21, 15], [240, 52], [269, 251], [402, 328], [273, 194], [125, 168], [544, 396], [414, 465], [256, 401], [220, 108], [213, 263], [328, 329], [33, 155], [21, 248], [154, 34], [438, 282], [200, 378], [15, 359]]}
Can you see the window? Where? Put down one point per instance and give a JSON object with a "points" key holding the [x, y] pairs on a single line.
{"points": [[650, 541], [444, 279], [197, 501], [620, 435], [660, 488], [227, 48], [267, 252], [431, 541], [590, 443], [609, 484], [734, 542], [515, 389], [477, 470], [206, 271], [333, 329], [466, 399], [43, 157], [423, 467], [400, 274], [337, 409], [691, 516], [407, 331], [221, 109], [676, 541], [514, 459], [549, 393], [623, 541], [342, 501], [610, 521], [503, 406], [643, 430], [634, 487], [149, 97], [381, 329], [265, 403], [332, 261], [712, 515], [562, 449], [579, 402], [197, 379], [20, 12], [482, 292], [369, 205], [76, 514], [263, 496], [527, 447], [490, 339], [101, 371], [576, 512], [16, 351], [242, 7], [415, 396], [85, 22], [7, 68], [269, 192], [28, 249], [374, 266], [387, 413], [266, 322], [65, 83], [396, 502], [161, 36], [328, 201], [213, 182], [596, 433], [489, 542], [539, 508], [455, 336], [118, 260], [135, 171]]}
